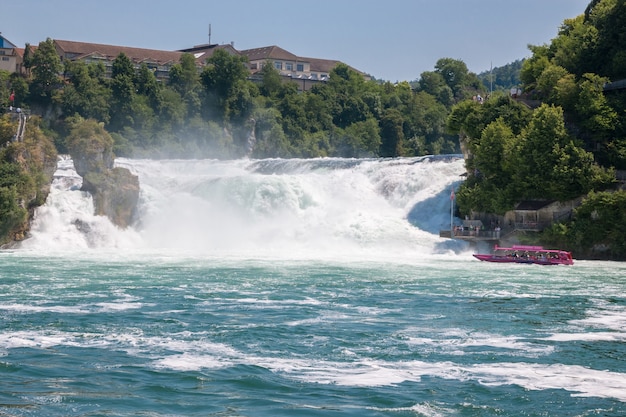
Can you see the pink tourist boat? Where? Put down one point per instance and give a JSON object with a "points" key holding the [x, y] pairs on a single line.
{"points": [[523, 254]]}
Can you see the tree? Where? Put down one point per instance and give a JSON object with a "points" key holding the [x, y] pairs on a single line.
{"points": [[549, 164], [574, 47], [456, 75], [598, 222], [434, 84], [184, 79], [220, 78], [593, 110], [360, 139], [122, 66], [492, 153], [271, 83], [548, 82], [122, 93], [85, 94], [534, 66], [608, 17], [46, 67], [183, 76], [147, 85], [392, 134]]}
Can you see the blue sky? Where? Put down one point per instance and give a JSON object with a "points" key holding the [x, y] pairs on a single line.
{"points": [[394, 40]]}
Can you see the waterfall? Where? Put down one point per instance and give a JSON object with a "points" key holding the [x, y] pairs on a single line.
{"points": [[350, 208]]}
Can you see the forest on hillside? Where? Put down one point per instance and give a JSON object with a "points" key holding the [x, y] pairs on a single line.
{"points": [[565, 138], [215, 112]]}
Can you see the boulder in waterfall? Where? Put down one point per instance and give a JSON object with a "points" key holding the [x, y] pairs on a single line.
{"points": [[115, 194], [115, 190]]}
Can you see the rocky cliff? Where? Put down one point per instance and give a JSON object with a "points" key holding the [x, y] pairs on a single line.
{"points": [[27, 165]]}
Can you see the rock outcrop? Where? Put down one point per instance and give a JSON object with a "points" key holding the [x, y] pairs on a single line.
{"points": [[115, 190], [115, 194], [28, 166]]}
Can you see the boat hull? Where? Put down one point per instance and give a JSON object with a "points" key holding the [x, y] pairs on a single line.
{"points": [[510, 260], [520, 254]]}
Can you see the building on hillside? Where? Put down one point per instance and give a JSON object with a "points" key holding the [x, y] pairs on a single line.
{"points": [[157, 61], [160, 62], [306, 72], [10, 56], [536, 215]]}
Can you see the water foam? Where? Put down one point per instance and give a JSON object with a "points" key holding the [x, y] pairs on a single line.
{"points": [[176, 352]]}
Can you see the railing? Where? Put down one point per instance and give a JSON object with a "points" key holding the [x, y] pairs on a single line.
{"points": [[21, 126], [480, 234], [493, 234], [535, 226]]}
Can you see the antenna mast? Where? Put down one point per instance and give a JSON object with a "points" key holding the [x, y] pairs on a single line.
{"points": [[209, 34]]}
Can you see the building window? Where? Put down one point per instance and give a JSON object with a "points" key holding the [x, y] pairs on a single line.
{"points": [[253, 66], [5, 58], [300, 67], [289, 66], [278, 65]]}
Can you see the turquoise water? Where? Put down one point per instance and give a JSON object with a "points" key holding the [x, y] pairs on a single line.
{"points": [[296, 288], [448, 336]]}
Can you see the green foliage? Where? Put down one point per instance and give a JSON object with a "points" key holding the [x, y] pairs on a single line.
{"points": [[540, 161], [184, 80], [25, 170], [607, 56], [469, 118], [574, 44], [46, 67], [344, 116], [5, 91], [12, 215], [7, 129], [534, 66], [572, 71], [455, 75], [592, 108], [122, 94], [597, 227], [21, 89], [392, 133], [548, 81], [271, 84], [502, 78], [88, 141], [85, 93], [224, 82]]}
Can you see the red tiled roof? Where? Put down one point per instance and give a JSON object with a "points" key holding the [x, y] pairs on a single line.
{"points": [[270, 52], [321, 65], [275, 52], [76, 49]]}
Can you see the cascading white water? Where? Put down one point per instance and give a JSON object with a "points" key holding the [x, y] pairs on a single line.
{"points": [[295, 208]]}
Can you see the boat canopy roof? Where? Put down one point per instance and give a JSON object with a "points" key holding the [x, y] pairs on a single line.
{"points": [[529, 248]]}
